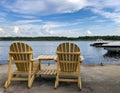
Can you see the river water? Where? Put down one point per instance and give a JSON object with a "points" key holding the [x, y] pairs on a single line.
{"points": [[92, 55]]}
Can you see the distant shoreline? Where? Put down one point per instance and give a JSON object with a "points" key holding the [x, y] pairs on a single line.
{"points": [[56, 38]]}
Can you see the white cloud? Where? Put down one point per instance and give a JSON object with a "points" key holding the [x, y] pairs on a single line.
{"points": [[45, 29], [30, 30], [1, 29], [89, 33], [67, 33], [107, 8], [53, 24], [48, 30], [23, 22], [6, 31], [16, 29], [44, 7], [105, 4], [111, 15]]}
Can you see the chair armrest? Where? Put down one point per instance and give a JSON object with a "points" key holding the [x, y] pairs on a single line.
{"points": [[55, 58], [81, 59], [34, 59], [8, 59]]}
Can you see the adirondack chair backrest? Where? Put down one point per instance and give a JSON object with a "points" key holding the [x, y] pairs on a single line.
{"points": [[68, 57], [21, 53]]}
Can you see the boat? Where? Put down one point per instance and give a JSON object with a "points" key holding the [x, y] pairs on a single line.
{"points": [[112, 46], [99, 43]]}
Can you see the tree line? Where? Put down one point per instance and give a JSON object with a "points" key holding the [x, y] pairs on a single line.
{"points": [[55, 38]]}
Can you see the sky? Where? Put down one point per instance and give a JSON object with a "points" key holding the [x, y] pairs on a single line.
{"points": [[69, 18]]}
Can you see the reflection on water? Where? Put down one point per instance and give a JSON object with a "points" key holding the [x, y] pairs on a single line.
{"points": [[92, 55], [112, 57], [112, 54]]}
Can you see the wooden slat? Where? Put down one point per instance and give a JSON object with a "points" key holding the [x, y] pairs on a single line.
{"points": [[20, 53], [66, 61], [46, 72], [70, 53], [18, 61], [21, 72], [68, 80], [46, 57], [19, 79]]}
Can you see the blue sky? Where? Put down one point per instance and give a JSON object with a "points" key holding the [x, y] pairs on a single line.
{"points": [[71, 18]]}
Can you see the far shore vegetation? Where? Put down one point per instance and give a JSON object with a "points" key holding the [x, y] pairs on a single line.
{"points": [[55, 38]]}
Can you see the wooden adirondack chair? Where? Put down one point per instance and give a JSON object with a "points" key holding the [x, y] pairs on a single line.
{"points": [[22, 55], [68, 64]]}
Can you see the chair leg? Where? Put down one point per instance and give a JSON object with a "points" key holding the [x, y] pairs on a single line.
{"points": [[79, 83], [57, 82], [30, 80], [7, 83]]}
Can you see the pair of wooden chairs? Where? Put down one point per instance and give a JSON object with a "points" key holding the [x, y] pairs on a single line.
{"points": [[68, 64]]}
